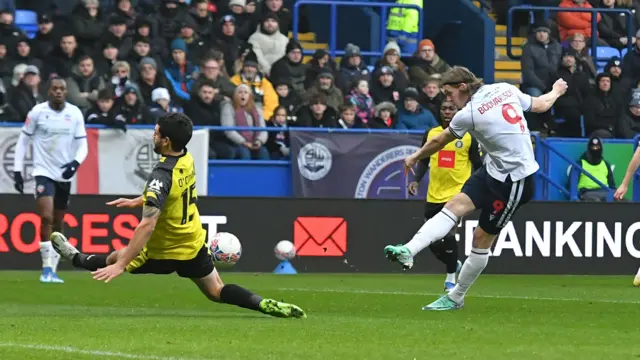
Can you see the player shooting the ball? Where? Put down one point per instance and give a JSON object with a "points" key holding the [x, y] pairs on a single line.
{"points": [[170, 237]]}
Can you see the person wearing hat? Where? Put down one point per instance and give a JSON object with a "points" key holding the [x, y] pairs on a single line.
{"points": [[161, 103], [87, 23], [46, 38], [180, 71], [84, 84], [351, 68], [242, 20], [383, 86], [126, 11], [196, 45], [540, 60], [28, 93], [150, 79], [384, 116], [24, 55], [264, 94], [203, 19], [144, 27], [8, 30], [593, 162], [105, 62], [171, 13], [117, 35], [630, 118], [412, 116], [601, 109], [325, 84], [319, 61], [268, 42], [290, 68], [211, 69], [425, 63], [130, 108], [228, 42], [391, 59]]}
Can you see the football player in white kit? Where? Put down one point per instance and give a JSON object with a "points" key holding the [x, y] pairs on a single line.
{"points": [[59, 147], [494, 116], [622, 190]]}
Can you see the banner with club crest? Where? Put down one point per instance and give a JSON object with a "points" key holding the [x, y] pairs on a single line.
{"points": [[353, 165]]}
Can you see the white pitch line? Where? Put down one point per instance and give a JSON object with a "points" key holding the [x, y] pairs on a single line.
{"points": [[376, 292], [72, 350]]}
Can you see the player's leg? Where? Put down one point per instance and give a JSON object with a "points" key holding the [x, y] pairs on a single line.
{"points": [[60, 205], [203, 273], [45, 190], [636, 280], [444, 250], [78, 259]]}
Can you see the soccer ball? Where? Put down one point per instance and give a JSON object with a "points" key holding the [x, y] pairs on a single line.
{"points": [[225, 249], [285, 250]]}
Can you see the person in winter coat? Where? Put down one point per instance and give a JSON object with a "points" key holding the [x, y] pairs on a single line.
{"points": [[10, 33], [210, 70], [116, 35], [121, 79], [385, 88], [317, 113], [363, 102], [284, 15], [84, 84], [150, 79], [104, 113], [241, 112], [391, 59], [28, 93], [601, 110], [584, 61], [351, 68], [325, 85], [24, 55], [431, 97], [268, 42], [204, 21], [132, 109], [570, 23], [384, 116], [242, 19], [425, 63], [320, 62], [126, 11], [180, 72], [47, 38], [145, 28], [88, 23], [197, 46], [278, 141], [290, 68], [620, 86], [161, 104], [348, 118], [104, 63], [141, 49], [629, 123], [412, 116], [631, 63], [6, 65], [171, 13], [63, 58], [264, 95], [288, 98], [228, 42], [540, 59], [613, 26], [570, 105]]}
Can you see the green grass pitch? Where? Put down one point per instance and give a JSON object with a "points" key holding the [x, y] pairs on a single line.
{"points": [[350, 317]]}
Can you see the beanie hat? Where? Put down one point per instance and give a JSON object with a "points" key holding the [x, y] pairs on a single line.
{"points": [[325, 73], [293, 45], [149, 61], [142, 39], [426, 42], [635, 98], [179, 44], [242, 3], [251, 60], [391, 45], [319, 54], [351, 50], [160, 94], [410, 93], [270, 15]]}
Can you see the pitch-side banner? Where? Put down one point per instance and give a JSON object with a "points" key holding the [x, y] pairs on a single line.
{"points": [[118, 163], [342, 165]]}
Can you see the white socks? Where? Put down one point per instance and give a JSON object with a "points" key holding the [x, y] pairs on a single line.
{"points": [[472, 268], [451, 278], [55, 259], [433, 230], [46, 252]]}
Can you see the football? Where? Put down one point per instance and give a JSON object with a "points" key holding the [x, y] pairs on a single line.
{"points": [[285, 250], [225, 249]]}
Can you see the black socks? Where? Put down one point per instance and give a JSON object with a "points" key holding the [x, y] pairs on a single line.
{"points": [[239, 296], [446, 251], [89, 262]]}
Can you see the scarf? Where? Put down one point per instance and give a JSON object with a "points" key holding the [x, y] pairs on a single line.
{"points": [[241, 120]]}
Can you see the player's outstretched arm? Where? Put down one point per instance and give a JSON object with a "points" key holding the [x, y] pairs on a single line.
{"points": [[544, 102], [631, 169], [126, 203]]}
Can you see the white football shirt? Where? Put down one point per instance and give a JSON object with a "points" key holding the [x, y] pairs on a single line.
{"points": [[53, 134], [495, 117]]}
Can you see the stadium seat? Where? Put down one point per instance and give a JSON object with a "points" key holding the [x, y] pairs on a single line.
{"points": [[623, 52], [604, 53], [27, 20]]}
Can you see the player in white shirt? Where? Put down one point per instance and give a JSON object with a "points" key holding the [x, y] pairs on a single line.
{"points": [[622, 190], [494, 116], [59, 147]]}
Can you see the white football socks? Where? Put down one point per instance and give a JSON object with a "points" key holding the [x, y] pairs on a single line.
{"points": [[433, 230], [472, 268], [55, 259], [451, 278], [46, 252]]}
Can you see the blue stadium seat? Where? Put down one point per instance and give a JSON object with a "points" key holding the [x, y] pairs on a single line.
{"points": [[623, 52], [604, 53], [27, 20]]}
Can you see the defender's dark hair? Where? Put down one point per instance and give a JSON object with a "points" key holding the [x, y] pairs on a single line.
{"points": [[178, 128]]}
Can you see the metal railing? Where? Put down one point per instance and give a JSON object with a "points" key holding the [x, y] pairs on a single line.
{"points": [[362, 4], [594, 23]]}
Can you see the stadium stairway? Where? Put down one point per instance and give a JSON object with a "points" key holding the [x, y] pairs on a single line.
{"points": [[308, 42]]}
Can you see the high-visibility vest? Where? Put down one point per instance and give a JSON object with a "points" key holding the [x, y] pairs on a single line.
{"points": [[599, 172], [404, 19]]}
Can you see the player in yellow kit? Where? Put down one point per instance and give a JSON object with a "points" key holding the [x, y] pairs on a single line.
{"points": [[449, 169], [170, 237]]}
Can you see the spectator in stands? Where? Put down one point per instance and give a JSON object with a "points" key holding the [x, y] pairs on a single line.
{"points": [[325, 85], [210, 70], [17, 75], [425, 63], [88, 23], [170, 15], [268, 42], [161, 104], [196, 45], [24, 55], [584, 61], [620, 87], [104, 63], [360, 98], [594, 163], [84, 84], [8, 30], [242, 19], [131, 108], [28, 93], [204, 21], [180, 72], [104, 113], [228, 42], [6, 65], [242, 112], [287, 98], [391, 59], [159, 46], [141, 49], [151, 79], [571, 23], [121, 79], [317, 113], [431, 97], [540, 60], [385, 88], [319, 61], [263, 94], [129, 14], [629, 124], [351, 68], [290, 68], [601, 112], [278, 141], [385, 116], [569, 106], [250, 9], [8, 5], [64, 58], [348, 118], [46, 38], [412, 116], [117, 35], [204, 109], [612, 28], [284, 15], [634, 7]]}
